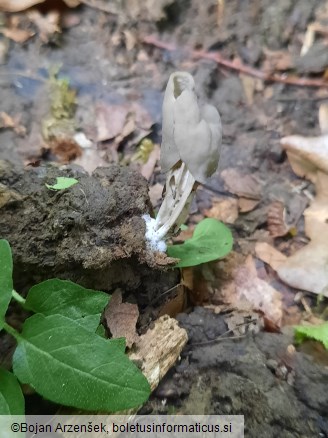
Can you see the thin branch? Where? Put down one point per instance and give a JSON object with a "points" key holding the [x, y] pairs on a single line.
{"points": [[223, 336], [238, 66]]}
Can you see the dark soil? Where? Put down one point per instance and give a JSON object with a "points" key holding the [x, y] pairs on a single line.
{"points": [[93, 232], [279, 393]]}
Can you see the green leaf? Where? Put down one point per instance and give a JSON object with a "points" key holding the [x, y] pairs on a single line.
{"points": [[90, 322], [68, 364], [6, 279], [62, 297], [317, 332], [211, 240], [11, 396], [62, 183], [100, 331]]}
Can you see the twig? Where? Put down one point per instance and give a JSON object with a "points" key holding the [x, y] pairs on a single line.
{"points": [[238, 66], [224, 336]]}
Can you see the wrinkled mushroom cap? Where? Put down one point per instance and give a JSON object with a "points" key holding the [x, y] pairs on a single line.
{"points": [[190, 133]]}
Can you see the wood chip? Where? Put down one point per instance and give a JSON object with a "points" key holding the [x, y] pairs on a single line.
{"points": [[159, 348]]}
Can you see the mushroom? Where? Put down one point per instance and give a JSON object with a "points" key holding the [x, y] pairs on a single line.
{"points": [[190, 153]]}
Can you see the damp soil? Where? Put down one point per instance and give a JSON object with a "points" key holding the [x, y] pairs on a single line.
{"points": [[281, 392], [93, 232]]}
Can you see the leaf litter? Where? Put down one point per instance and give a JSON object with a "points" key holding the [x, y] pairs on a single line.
{"points": [[118, 132], [307, 269], [121, 319]]}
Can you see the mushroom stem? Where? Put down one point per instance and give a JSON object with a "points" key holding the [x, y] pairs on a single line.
{"points": [[178, 196]]}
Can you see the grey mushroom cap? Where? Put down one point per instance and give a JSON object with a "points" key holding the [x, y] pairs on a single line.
{"points": [[190, 133]]}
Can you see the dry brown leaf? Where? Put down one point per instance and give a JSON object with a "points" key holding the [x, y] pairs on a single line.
{"points": [[245, 205], [270, 255], [130, 39], [127, 129], [155, 193], [307, 154], [66, 149], [47, 24], [258, 293], [7, 195], [17, 5], [147, 169], [119, 121], [308, 39], [110, 120], [16, 34], [307, 268], [6, 121], [279, 60], [277, 226], [72, 3], [316, 216], [197, 286], [226, 210], [323, 118], [175, 305], [187, 275], [121, 319], [292, 315], [246, 186], [21, 5], [142, 116], [90, 160]]}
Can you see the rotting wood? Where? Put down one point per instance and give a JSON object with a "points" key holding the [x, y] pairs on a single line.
{"points": [[159, 348]]}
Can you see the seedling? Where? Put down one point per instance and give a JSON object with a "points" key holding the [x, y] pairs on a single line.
{"points": [[59, 351], [190, 154]]}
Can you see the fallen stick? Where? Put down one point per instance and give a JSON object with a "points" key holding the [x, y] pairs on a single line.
{"points": [[238, 66]]}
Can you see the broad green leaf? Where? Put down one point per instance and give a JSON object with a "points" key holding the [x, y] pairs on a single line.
{"points": [[90, 322], [211, 240], [68, 364], [317, 332], [6, 279], [100, 331], [11, 396], [66, 298], [62, 183]]}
